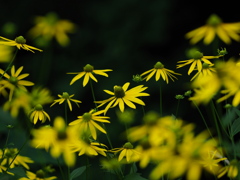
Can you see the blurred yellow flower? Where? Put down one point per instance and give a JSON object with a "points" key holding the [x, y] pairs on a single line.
{"points": [[87, 123], [11, 154], [65, 97], [123, 96], [5, 54], [88, 72], [231, 169], [196, 62], [57, 138], [50, 26], [160, 71], [14, 81], [19, 42], [39, 175], [38, 114], [214, 26], [207, 70]]}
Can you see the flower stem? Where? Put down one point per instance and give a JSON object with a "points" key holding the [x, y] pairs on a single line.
{"points": [[10, 64], [160, 91], [65, 110]]}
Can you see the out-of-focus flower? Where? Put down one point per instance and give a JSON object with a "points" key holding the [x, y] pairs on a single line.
{"points": [[6, 54], [39, 175], [215, 27], [38, 114], [50, 26]]}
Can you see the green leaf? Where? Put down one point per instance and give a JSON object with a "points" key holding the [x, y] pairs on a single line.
{"points": [[134, 176], [133, 168], [229, 117], [77, 172], [18, 171], [235, 127]]}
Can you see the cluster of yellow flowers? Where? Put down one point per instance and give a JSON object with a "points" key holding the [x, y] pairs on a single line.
{"points": [[167, 142]]}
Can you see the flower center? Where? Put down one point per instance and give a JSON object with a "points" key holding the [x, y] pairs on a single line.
{"points": [[87, 117], [205, 66], [10, 153], [128, 145], [65, 95], [197, 55], [40, 174], [214, 20], [88, 68], [158, 65], [52, 18], [20, 40], [13, 80], [61, 135], [118, 91], [38, 107]]}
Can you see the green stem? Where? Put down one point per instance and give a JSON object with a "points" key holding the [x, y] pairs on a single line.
{"points": [[60, 169], [10, 64], [160, 91], [177, 107], [65, 110]]}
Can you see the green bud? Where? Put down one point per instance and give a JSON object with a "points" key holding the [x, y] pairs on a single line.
{"points": [[222, 52], [188, 93], [20, 40], [40, 174], [228, 106], [179, 96], [137, 78]]}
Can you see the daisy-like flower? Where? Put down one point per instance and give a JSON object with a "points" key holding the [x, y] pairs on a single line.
{"points": [[50, 26], [160, 71], [123, 96], [196, 62], [87, 122], [85, 146], [38, 114], [15, 80], [19, 42], [11, 154], [127, 151], [65, 97], [213, 27], [88, 72], [39, 175], [57, 138], [231, 169], [207, 70]]}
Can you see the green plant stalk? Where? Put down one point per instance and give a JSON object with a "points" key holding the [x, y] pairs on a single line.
{"points": [[66, 121], [160, 93], [10, 64], [60, 168]]}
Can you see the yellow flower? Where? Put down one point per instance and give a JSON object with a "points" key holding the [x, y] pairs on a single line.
{"points": [[123, 96], [88, 72], [160, 71], [213, 27], [196, 62], [57, 138], [65, 97], [50, 26], [127, 151], [40, 175], [19, 42], [38, 114], [84, 146], [207, 70], [86, 123], [231, 169], [5, 54], [14, 81], [8, 155]]}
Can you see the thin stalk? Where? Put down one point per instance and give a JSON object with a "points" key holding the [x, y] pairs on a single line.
{"points": [[66, 121], [177, 107], [60, 168], [160, 91]]}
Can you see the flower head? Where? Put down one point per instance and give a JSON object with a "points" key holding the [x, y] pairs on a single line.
{"points": [[11, 154], [15, 80], [231, 169], [39, 175], [50, 26], [123, 96], [65, 97], [88, 72], [87, 123], [38, 114], [19, 42], [57, 138], [207, 70], [160, 71], [127, 151], [196, 62], [213, 27]]}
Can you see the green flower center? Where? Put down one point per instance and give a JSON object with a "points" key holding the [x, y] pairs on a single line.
{"points": [[13, 80], [118, 92], [145, 144], [214, 20], [62, 135], [40, 173], [10, 153], [38, 107], [128, 145], [52, 18], [151, 118], [20, 40], [197, 55], [88, 68], [205, 66], [65, 95], [158, 65], [87, 117]]}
